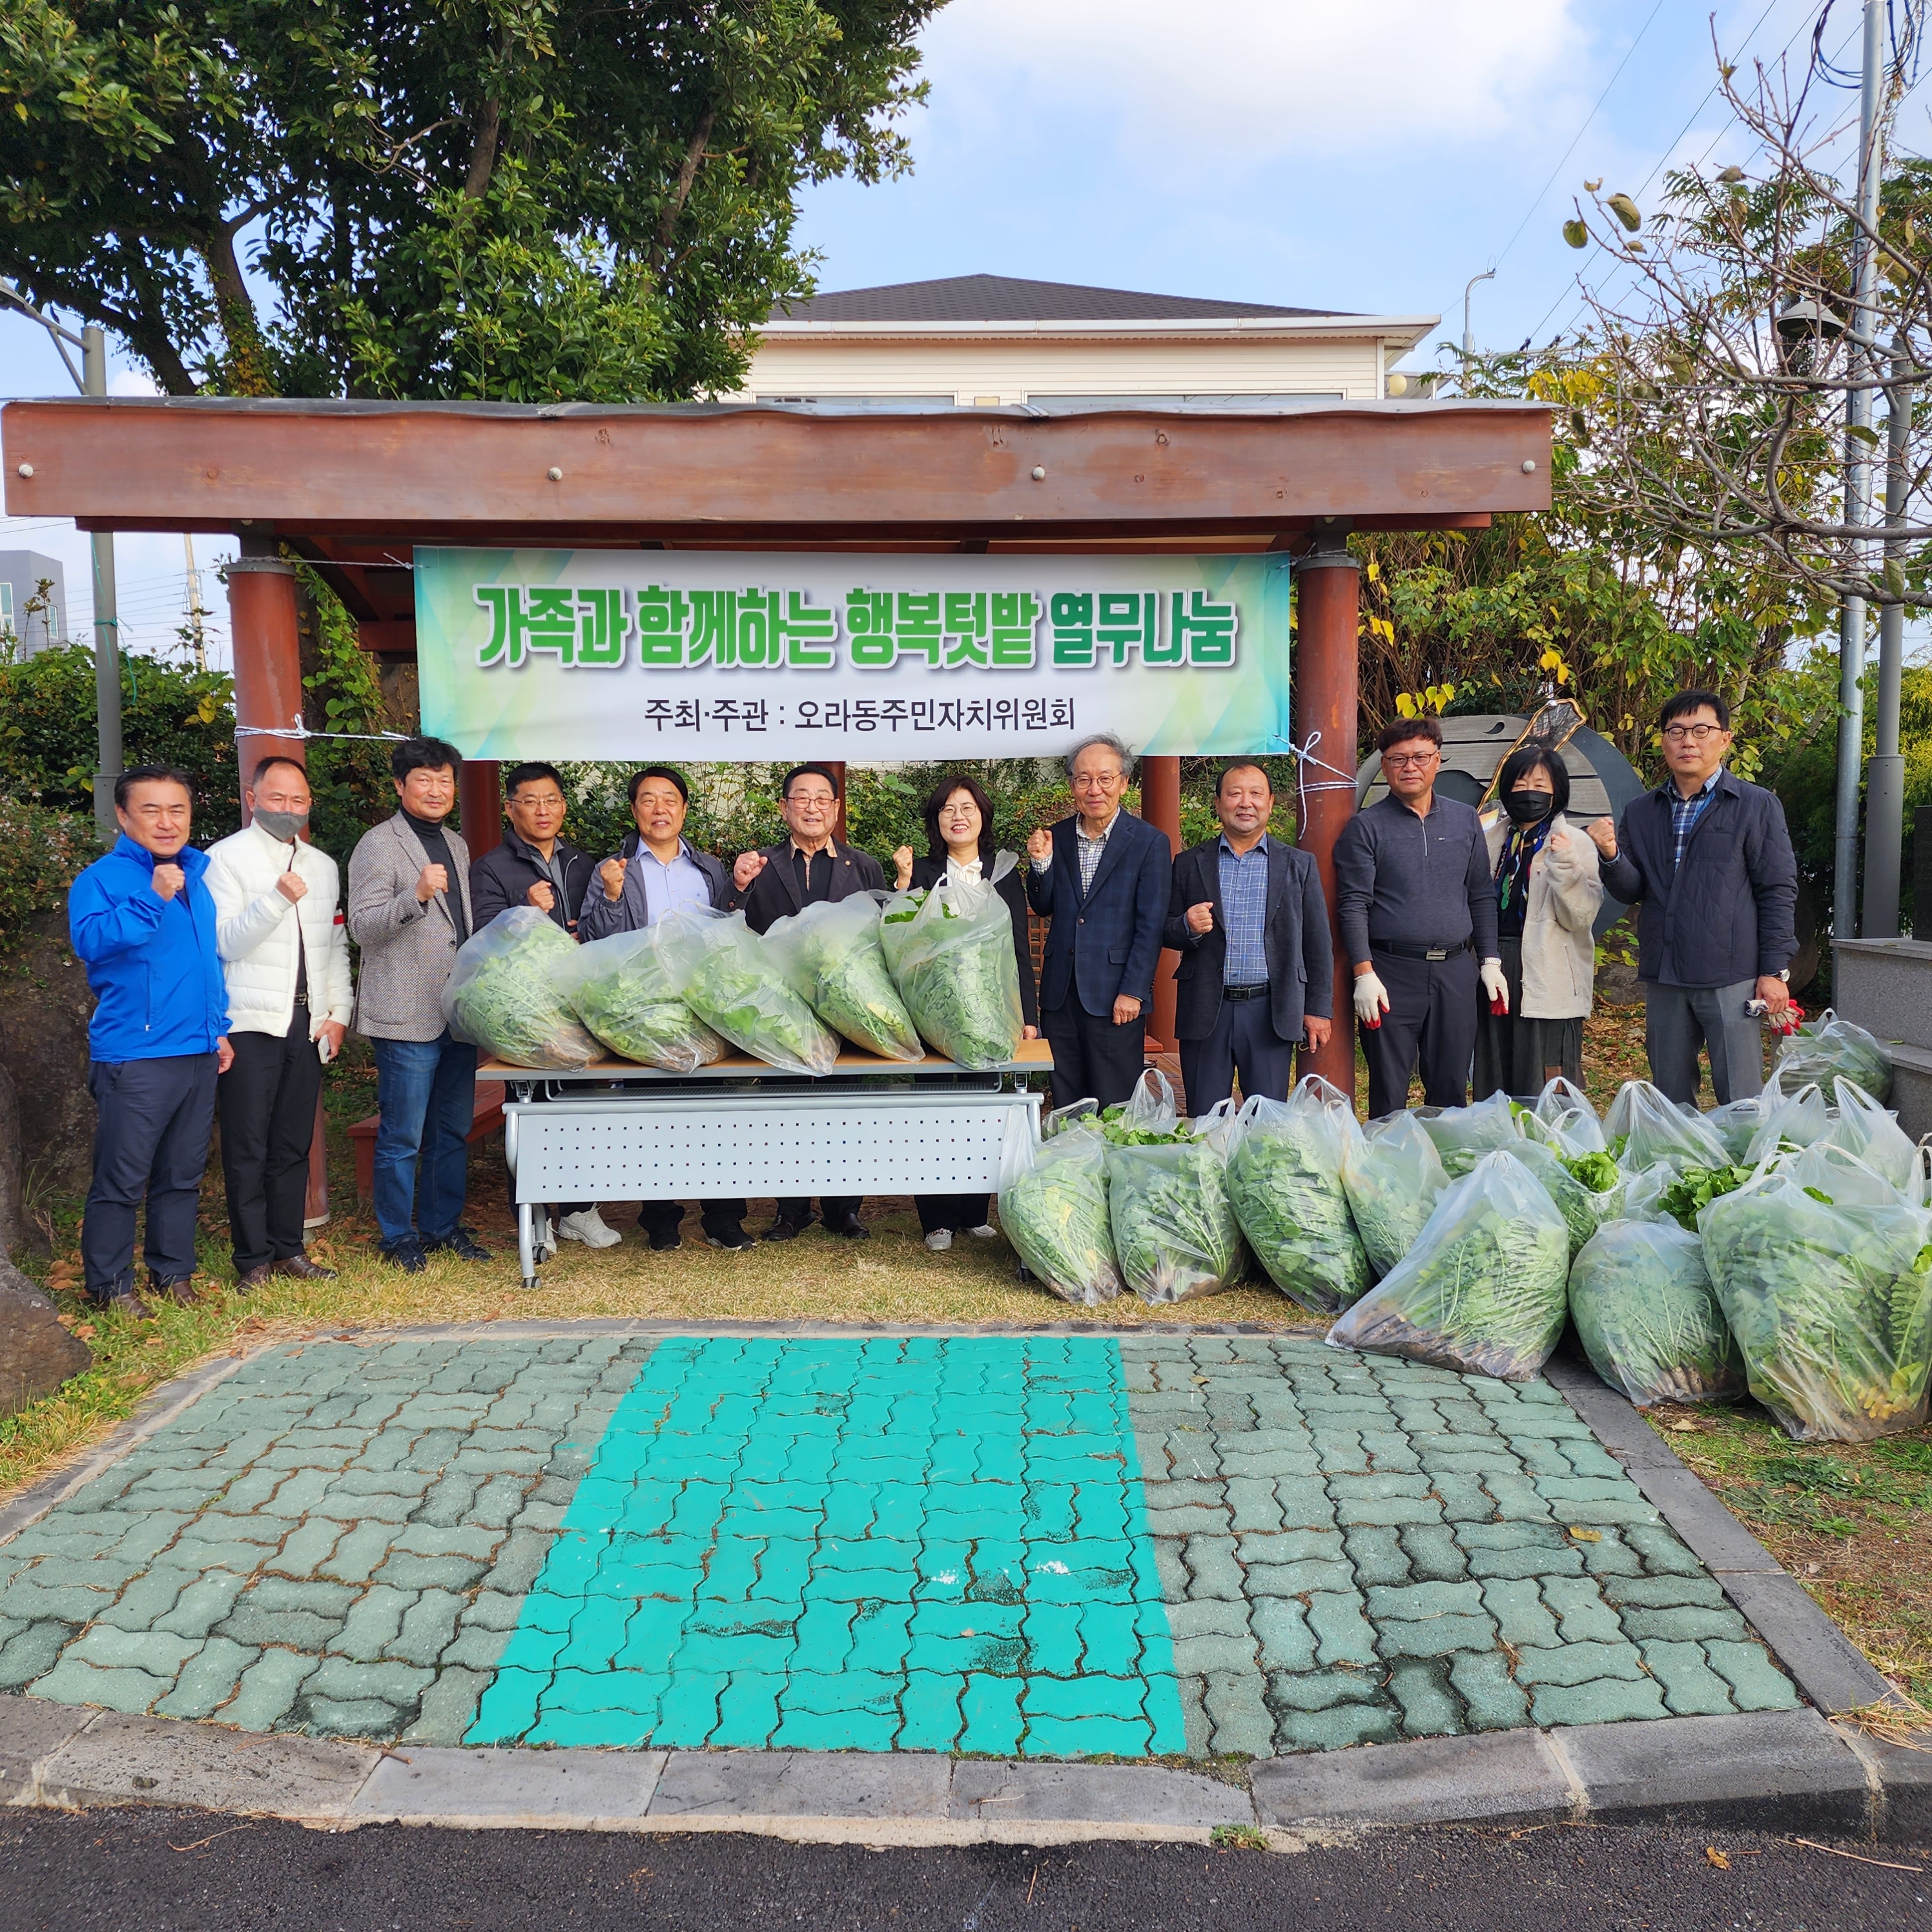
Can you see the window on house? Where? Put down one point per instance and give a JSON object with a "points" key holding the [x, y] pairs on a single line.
{"points": [[1185, 401]]}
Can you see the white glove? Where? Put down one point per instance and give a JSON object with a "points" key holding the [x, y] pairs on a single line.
{"points": [[1371, 999], [1495, 985]]}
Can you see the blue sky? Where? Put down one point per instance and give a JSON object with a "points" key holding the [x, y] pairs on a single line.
{"points": [[1367, 158]]}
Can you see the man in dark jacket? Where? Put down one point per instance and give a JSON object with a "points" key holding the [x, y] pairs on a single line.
{"points": [[535, 865], [654, 871], [807, 866], [1417, 911], [143, 924], [1257, 963], [1102, 877], [1708, 859]]}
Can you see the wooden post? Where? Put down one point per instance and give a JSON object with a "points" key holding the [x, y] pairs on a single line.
{"points": [[1160, 806], [838, 824], [479, 786], [1325, 699]]}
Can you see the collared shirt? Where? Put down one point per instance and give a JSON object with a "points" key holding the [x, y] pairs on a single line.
{"points": [[1091, 851], [814, 874], [1685, 812], [1244, 877], [668, 886]]}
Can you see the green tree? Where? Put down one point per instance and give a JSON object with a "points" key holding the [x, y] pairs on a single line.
{"points": [[516, 199]]}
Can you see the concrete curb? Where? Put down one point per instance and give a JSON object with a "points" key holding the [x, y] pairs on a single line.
{"points": [[1769, 1770], [1834, 1674]]}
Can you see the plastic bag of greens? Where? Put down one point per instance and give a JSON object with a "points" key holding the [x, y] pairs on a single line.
{"points": [[1587, 1188], [1736, 1122], [1564, 1109], [1484, 1287], [1174, 1230], [1823, 1048], [1463, 1135], [831, 958], [1790, 1124], [718, 967], [1870, 1133], [1642, 1193], [1649, 1318], [1643, 1126], [502, 993], [620, 988], [1824, 1273], [1685, 1192], [1285, 1181], [1392, 1175], [950, 951], [1053, 1205]]}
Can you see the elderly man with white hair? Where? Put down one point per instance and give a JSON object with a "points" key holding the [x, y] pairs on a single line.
{"points": [[1102, 877]]}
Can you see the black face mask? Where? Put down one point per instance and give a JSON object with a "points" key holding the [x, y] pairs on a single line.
{"points": [[1527, 807]]}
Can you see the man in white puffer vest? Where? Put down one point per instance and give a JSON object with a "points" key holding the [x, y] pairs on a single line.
{"points": [[286, 956]]}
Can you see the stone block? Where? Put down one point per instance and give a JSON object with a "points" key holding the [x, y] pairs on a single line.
{"points": [[575, 1790], [1012, 1800], [1521, 1616], [37, 1354], [728, 1790], [30, 1730]]}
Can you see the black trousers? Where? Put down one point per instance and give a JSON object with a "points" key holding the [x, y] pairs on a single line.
{"points": [[153, 1118], [1432, 1018], [660, 1218], [951, 1211], [1243, 1040], [266, 1101], [1092, 1058]]}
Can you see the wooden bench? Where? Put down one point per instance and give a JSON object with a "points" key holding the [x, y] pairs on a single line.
{"points": [[487, 1119]]}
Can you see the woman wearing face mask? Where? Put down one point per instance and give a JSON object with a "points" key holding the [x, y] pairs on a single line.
{"points": [[1548, 892], [960, 847]]}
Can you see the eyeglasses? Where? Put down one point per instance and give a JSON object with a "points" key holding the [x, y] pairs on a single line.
{"points": [[1409, 758], [1677, 734]]}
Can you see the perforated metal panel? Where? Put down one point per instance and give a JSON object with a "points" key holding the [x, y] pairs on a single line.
{"points": [[624, 1147]]}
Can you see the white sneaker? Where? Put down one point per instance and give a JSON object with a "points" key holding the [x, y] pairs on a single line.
{"points": [[545, 1246], [939, 1240], [985, 1232], [587, 1226]]}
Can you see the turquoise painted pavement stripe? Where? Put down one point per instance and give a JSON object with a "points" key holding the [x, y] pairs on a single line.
{"points": [[937, 1544]]}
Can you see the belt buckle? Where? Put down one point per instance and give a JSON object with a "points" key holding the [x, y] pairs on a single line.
{"points": [[1437, 952]]}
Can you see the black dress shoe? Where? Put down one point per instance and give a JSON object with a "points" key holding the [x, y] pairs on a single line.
{"points": [[664, 1238], [782, 1230], [852, 1228], [462, 1244], [407, 1255], [734, 1240]]}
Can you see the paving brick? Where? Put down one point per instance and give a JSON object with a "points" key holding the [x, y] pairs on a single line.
{"points": [[1340, 1728], [1376, 1551], [1203, 1656], [1243, 1725], [1268, 1580], [1253, 1506], [1664, 1593], [1662, 1550], [1212, 1568], [1429, 1708], [1572, 1664], [1537, 1561], [208, 1679], [1691, 1688], [1437, 1637], [1281, 1630], [355, 1559], [1493, 1700], [1208, 1616], [1755, 1681], [1582, 1614], [1342, 1634], [1434, 1554], [1689, 1625], [1517, 1498], [1521, 1615], [1605, 1701], [428, 1627], [1410, 1601], [71, 1681], [158, 1652]]}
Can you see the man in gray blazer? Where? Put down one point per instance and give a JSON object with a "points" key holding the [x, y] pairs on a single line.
{"points": [[409, 911], [1257, 971]]}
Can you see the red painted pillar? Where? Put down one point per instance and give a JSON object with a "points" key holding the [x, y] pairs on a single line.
{"points": [[479, 788], [1160, 806], [269, 692], [1326, 694], [837, 765]]}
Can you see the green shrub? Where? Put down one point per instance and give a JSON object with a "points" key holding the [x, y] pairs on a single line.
{"points": [[45, 850]]}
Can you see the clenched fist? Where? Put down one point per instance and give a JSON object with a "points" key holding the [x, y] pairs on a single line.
{"points": [[291, 886], [902, 865], [1604, 834], [1039, 848], [430, 880], [1201, 918], [542, 896], [611, 874], [749, 865], [168, 879]]}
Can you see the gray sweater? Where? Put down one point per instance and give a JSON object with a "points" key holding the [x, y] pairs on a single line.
{"points": [[1421, 881]]}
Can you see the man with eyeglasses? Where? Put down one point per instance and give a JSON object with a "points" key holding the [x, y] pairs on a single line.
{"points": [[1417, 911], [1707, 858]]}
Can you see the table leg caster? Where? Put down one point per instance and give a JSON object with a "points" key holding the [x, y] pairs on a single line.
{"points": [[532, 1281]]}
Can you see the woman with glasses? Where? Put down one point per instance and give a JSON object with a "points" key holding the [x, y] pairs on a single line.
{"points": [[959, 849], [1548, 891]]}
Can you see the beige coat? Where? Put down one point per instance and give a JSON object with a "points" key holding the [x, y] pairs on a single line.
{"points": [[1559, 950], [408, 948]]}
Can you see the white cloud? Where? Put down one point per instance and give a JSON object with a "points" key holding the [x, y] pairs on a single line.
{"points": [[1257, 79]]}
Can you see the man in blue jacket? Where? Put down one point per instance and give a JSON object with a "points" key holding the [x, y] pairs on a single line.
{"points": [[143, 922], [1707, 858], [1102, 877]]}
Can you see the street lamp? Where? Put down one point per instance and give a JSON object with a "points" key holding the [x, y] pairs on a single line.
{"points": [[1804, 325], [91, 379]]}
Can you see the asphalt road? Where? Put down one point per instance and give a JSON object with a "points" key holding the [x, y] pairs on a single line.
{"points": [[162, 1871]]}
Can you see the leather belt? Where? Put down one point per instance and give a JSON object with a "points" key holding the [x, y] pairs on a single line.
{"points": [[1244, 992], [1407, 949]]}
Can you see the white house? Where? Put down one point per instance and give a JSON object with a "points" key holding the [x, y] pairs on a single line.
{"points": [[984, 340]]}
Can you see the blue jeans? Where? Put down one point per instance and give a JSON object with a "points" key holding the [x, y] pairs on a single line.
{"points": [[425, 1100]]}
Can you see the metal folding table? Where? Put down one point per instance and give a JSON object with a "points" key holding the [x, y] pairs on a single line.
{"points": [[615, 1131]]}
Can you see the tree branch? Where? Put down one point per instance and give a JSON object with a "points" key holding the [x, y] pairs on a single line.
{"points": [[680, 192]]}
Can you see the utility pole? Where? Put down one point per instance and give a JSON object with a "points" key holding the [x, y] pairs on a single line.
{"points": [[1884, 777], [1862, 361], [195, 611], [1469, 336], [91, 379]]}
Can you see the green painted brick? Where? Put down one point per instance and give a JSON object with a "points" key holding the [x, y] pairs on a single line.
{"points": [[1342, 1635], [71, 1681], [929, 1715], [1242, 1724], [1755, 1681], [1664, 1593], [1200, 1616], [1689, 1625], [1376, 1552], [1090, 1696], [269, 1689], [1521, 1615], [1429, 1708], [1571, 1664], [208, 1679], [1607, 1701], [1691, 1687], [989, 1709], [1492, 1698], [1281, 1629], [1412, 1601], [1582, 1615], [1340, 1728]]}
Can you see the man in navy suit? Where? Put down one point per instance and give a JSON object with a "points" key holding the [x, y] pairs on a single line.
{"points": [[1102, 877]]}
